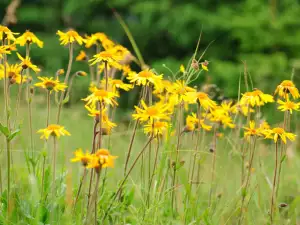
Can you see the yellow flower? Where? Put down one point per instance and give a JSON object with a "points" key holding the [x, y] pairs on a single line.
{"points": [[192, 122], [256, 98], [102, 96], [288, 106], [50, 84], [6, 33], [182, 92], [107, 43], [70, 37], [28, 38], [94, 39], [106, 123], [144, 78], [82, 56], [84, 158], [151, 113], [26, 63], [4, 50], [219, 115], [101, 67], [182, 69], [53, 130], [251, 130], [107, 57], [204, 100], [118, 84], [120, 51], [126, 70], [204, 65], [156, 128], [102, 159], [13, 72], [279, 133], [242, 109], [285, 88]]}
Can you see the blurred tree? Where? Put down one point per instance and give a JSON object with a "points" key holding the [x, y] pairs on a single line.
{"points": [[265, 34]]}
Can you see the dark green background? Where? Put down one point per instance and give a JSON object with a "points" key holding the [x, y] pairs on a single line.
{"points": [[265, 34]]}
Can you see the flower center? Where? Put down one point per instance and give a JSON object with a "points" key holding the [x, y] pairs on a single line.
{"points": [[278, 130], [152, 111], [50, 85], [145, 74], [101, 93], [202, 95], [53, 127]]}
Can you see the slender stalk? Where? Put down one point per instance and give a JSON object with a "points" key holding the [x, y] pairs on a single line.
{"points": [[177, 155], [19, 97], [106, 75], [80, 186], [117, 193], [273, 198], [60, 103], [97, 67], [213, 168], [29, 99], [43, 176], [8, 176], [48, 108], [54, 164]]}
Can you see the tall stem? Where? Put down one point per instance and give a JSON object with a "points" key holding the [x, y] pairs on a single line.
{"points": [[19, 97], [213, 168], [60, 103], [273, 198], [48, 108]]}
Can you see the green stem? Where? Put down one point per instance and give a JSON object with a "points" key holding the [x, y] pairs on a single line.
{"points": [[273, 198]]}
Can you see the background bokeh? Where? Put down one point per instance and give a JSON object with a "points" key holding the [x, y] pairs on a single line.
{"points": [[265, 34]]}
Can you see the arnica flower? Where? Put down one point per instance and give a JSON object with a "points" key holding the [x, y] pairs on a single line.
{"points": [[256, 98], [251, 130], [69, 37], [288, 106], [107, 44], [204, 100], [219, 115], [101, 67], [108, 57], [164, 87], [118, 84], [145, 78], [6, 33], [50, 84], [279, 133], [84, 158], [13, 72], [192, 123], [29, 38], [101, 159], [126, 70], [94, 39], [242, 109], [102, 96], [151, 113], [26, 63], [53, 130], [82, 56], [120, 51], [106, 123], [156, 128], [4, 50], [182, 69], [285, 88], [182, 91]]}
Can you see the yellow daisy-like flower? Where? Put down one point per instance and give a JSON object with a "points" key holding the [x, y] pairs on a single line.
{"points": [[151, 113], [101, 67], [256, 98], [279, 133], [120, 51], [192, 123], [156, 128], [102, 96], [101, 159], [69, 37], [6, 33], [182, 92], [28, 38], [95, 39], [106, 123], [53, 130], [251, 130], [84, 158], [13, 72], [107, 44], [204, 100], [242, 109], [108, 57], [82, 56], [26, 63], [288, 105], [118, 84], [4, 50], [144, 78], [50, 84], [219, 115], [285, 88], [126, 70]]}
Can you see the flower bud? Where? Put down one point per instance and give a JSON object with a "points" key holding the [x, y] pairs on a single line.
{"points": [[195, 64]]}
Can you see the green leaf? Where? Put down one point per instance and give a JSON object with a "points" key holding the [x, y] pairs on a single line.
{"points": [[13, 134], [4, 130], [283, 158], [66, 100]]}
